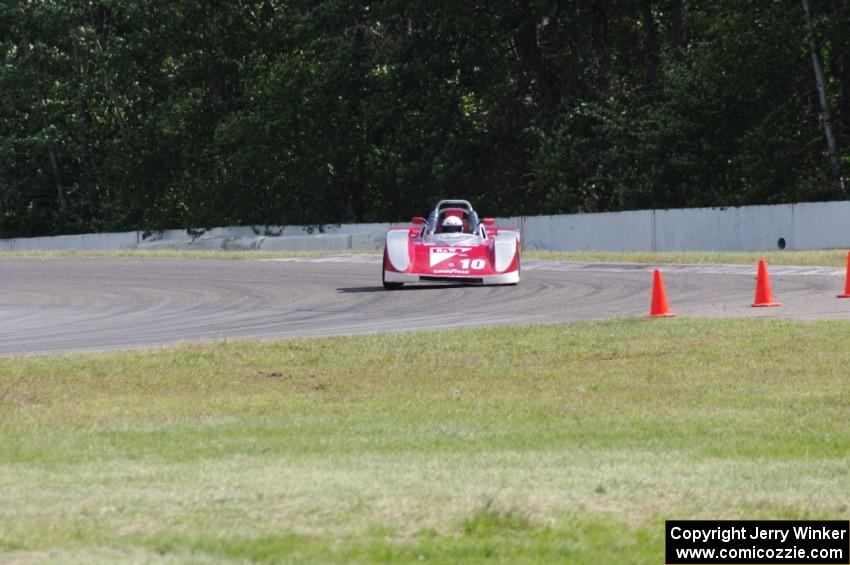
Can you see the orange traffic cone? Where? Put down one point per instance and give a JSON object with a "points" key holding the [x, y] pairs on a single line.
{"points": [[846, 281], [764, 297], [659, 307]]}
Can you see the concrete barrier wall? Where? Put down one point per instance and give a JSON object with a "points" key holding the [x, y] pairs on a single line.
{"points": [[814, 225], [811, 225], [724, 229], [620, 231], [83, 242], [820, 225]]}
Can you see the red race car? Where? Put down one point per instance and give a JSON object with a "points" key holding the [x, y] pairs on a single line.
{"points": [[452, 246]]}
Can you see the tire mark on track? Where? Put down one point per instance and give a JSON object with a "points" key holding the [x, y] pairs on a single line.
{"points": [[74, 304]]}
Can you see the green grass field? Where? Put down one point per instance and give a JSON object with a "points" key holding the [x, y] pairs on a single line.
{"points": [[821, 257], [568, 443]]}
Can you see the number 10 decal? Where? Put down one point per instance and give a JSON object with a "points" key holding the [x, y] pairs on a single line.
{"points": [[476, 264]]}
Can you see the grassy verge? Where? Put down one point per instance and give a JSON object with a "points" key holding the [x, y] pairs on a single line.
{"points": [[824, 258], [541, 444]]}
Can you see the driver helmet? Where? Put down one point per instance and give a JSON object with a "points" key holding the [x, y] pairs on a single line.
{"points": [[452, 224]]}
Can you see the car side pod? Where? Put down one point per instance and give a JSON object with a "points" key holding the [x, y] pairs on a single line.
{"points": [[659, 307], [846, 281], [764, 296]]}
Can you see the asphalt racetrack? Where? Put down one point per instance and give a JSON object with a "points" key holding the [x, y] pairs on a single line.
{"points": [[55, 305]]}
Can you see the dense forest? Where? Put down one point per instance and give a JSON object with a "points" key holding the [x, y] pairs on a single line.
{"points": [[142, 114]]}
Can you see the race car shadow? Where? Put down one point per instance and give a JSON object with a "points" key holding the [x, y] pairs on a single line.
{"points": [[358, 289]]}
